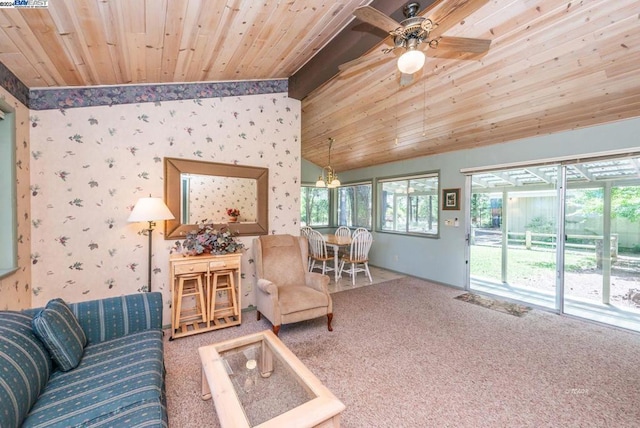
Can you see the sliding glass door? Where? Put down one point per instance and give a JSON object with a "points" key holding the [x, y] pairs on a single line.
{"points": [[517, 217], [513, 234], [602, 281]]}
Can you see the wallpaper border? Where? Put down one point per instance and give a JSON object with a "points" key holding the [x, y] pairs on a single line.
{"points": [[47, 99], [13, 85]]}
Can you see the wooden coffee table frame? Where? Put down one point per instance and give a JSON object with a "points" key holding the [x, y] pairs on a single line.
{"points": [[322, 411]]}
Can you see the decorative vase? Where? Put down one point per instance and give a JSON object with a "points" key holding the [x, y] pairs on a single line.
{"points": [[233, 219]]}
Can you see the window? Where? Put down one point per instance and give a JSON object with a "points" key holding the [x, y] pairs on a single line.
{"points": [[314, 206], [354, 205], [409, 204], [8, 245]]}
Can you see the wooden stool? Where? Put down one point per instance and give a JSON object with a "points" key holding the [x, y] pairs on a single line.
{"points": [[222, 280], [189, 284]]}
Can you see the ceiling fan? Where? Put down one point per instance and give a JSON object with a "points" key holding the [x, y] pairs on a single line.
{"points": [[416, 33]]}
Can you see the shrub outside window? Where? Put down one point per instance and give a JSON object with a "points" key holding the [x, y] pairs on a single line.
{"points": [[354, 205], [409, 204], [314, 206]]}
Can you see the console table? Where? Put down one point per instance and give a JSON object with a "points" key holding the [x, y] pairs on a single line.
{"points": [[216, 284]]}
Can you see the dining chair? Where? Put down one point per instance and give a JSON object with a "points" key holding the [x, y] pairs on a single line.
{"points": [[343, 231], [319, 252], [305, 231], [360, 229], [358, 256]]}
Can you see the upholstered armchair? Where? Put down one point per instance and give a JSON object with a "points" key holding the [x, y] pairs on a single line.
{"points": [[287, 292]]}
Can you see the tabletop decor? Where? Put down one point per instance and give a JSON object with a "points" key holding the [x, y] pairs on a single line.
{"points": [[208, 238], [233, 214]]}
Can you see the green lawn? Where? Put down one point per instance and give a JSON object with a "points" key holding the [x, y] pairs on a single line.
{"points": [[524, 264]]}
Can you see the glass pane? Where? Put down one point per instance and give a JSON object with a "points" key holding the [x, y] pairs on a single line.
{"points": [[394, 206], [354, 206], [314, 206], [346, 202], [602, 251], [423, 205], [513, 234], [410, 205], [363, 206], [486, 236]]}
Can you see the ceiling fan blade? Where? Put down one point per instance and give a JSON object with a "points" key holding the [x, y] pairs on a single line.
{"points": [[451, 13], [376, 18], [463, 44]]}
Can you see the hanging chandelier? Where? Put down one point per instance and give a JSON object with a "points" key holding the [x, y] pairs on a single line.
{"points": [[329, 173]]}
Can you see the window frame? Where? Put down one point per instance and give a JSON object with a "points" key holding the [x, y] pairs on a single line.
{"points": [[8, 200], [379, 182]]}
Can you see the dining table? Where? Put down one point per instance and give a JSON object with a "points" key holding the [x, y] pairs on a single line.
{"points": [[335, 242]]}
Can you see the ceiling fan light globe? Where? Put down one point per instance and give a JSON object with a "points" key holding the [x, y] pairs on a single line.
{"points": [[411, 61]]}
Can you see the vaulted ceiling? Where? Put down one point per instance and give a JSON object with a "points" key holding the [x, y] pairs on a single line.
{"points": [[553, 65]]}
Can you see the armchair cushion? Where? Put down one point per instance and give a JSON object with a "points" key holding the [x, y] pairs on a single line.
{"points": [[61, 334], [285, 264], [296, 298]]}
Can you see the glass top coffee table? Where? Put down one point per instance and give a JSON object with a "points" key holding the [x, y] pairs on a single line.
{"points": [[256, 381]]}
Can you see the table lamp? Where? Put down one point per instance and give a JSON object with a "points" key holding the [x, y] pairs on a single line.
{"points": [[150, 209]]}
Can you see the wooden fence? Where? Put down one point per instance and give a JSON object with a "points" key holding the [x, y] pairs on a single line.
{"points": [[530, 240]]}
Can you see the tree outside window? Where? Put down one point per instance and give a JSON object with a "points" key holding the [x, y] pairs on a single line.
{"points": [[314, 206], [354, 205]]}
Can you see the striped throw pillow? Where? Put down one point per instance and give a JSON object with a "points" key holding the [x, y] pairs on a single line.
{"points": [[61, 334]]}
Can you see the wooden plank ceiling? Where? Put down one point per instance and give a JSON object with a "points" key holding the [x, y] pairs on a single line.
{"points": [[115, 42], [553, 65]]}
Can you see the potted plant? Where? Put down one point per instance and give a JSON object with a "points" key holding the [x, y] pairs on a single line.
{"points": [[233, 214], [209, 239]]}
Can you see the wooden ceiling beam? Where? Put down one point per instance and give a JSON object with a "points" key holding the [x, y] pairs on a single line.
{"points": [[354, 40]]}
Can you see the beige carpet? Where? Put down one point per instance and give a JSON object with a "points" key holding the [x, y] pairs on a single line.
{"points": [[406, 353]]}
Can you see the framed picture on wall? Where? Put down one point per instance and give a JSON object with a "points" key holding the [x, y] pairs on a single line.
{"points": [[451, 199]]}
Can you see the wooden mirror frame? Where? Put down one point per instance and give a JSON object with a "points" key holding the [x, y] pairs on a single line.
{"points": [[173, 167]]}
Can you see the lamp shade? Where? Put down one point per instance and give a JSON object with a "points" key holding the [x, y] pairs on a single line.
{"points": [[411, 61], [150, 209]]}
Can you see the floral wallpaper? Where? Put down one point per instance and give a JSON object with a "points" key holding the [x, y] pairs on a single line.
{"points": [[209, 198], [15, 289], [90, 165]]}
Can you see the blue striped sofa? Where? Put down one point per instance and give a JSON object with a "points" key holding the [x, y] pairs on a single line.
{"points": [[119, 381]]}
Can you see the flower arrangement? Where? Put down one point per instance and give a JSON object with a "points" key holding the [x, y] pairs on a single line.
{"points": [[233, 212], [207, 239]]}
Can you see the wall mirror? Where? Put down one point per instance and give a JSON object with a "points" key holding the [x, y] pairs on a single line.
{"points": [[197, 191]]}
